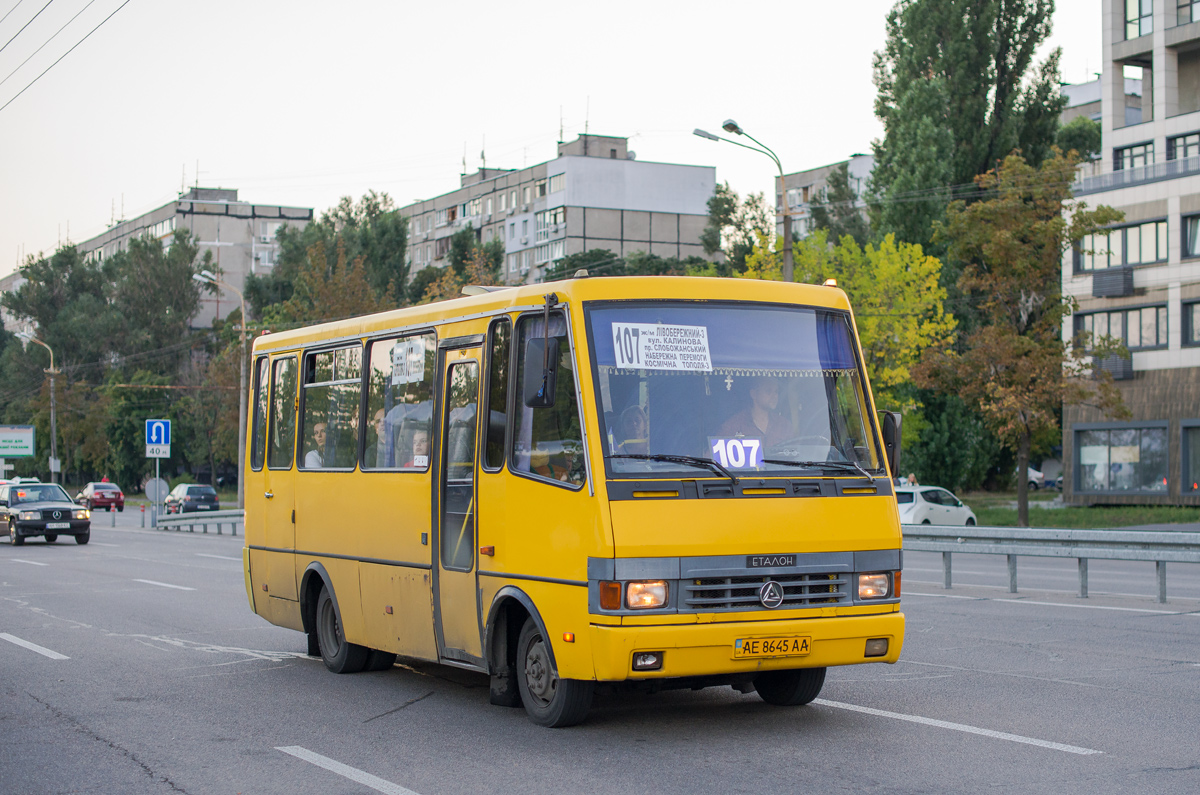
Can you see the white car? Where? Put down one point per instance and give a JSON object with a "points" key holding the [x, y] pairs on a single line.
{"points": [[1036, 479], [931, 505]]}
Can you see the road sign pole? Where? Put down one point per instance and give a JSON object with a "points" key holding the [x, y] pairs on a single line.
{"points": [[154, 503]]}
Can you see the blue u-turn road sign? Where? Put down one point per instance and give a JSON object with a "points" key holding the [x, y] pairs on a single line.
{"points": [[158, 432]]}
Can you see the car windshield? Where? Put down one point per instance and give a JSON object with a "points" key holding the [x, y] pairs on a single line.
{"points": [[45, 492], [753, 388], [904, 497]]}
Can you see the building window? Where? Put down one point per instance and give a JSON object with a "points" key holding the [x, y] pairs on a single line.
{"points": [[1191, 324], [1139, 18], [488, 205], [503, 201], [526, 260], [443, 247], [524, 228], [558, 249], [540, 188], [513, 262], [1183, 146], [1129, 245], [558, 182], [512, 199], [1144, 328], [1191, 456], [440, 218], [1133, 156], [1122, 459], [1187, 11], [542, 254], [512, 231]]}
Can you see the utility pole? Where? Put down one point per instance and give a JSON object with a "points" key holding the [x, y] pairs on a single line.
{"points": [[55, 464]]}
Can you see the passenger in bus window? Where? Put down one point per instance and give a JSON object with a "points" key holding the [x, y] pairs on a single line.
{"points": [[313, 457], [420, 449], [373, 455], [633, 431], [760, 420]]}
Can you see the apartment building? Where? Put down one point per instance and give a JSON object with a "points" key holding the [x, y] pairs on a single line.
{"points": [[593, 195], [1139, 281], [240, 235], [802, 188]]}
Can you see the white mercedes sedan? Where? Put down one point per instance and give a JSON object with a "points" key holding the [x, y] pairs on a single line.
{"points": [[931, 505]]}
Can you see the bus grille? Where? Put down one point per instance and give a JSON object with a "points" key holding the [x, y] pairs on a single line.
{"points": [[741, 593]]}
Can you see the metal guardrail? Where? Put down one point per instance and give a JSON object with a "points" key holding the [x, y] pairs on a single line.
{"points": [[203, 519], [1160, 547]]}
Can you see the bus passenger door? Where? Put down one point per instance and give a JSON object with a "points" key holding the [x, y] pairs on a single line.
{"points": [[279, 482], [456, 605]]}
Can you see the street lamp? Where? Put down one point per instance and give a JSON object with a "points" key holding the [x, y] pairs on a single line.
{"points": [[206, 277], [731, 126], [28, 337]]}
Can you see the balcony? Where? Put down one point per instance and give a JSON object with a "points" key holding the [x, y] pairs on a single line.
{"points": [[1155, 172]]}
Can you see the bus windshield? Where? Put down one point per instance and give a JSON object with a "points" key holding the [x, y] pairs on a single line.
{"points": [[758, 388]]}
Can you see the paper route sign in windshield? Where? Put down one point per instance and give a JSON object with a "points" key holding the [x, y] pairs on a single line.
{"points": [[658, 346]]}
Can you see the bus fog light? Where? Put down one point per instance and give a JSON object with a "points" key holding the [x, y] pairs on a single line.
{"points": [[872, 586], [645, 594], [649, 660], [610, 595], [876, 647]]}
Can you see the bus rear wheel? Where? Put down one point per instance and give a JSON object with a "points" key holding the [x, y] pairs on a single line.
{"points": [[339, 655], [790, 688], [549, 701]]}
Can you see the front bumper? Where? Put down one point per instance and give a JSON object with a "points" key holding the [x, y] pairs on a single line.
{"points": [[706, 649], [38, 528]]}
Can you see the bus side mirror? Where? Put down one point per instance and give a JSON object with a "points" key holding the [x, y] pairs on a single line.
{"points": [[891, 439], [541, 372]]}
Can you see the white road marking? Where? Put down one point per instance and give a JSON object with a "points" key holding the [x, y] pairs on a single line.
{"points": [[218, 557], [166, 585], [1053, 604], [42, 650], [961, 727], [30, 562], [102, 544], [352, 773]]}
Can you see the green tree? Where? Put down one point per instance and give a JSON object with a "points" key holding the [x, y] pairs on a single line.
{"points": [[370, 229], [837, 211], [734, 226], [1015, 368], [958, 91], [323, 292], [1081, 135]]}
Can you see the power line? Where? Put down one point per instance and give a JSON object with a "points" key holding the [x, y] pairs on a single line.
{"points": [[64, 55], [14, 8], [27, 24], [39, 49]]}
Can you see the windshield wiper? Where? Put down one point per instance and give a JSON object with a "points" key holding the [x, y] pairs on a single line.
{"points": [[817, 464], [680, 459]]}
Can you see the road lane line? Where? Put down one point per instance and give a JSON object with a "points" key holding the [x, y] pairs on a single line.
{"points": [[30, 562], [218, 557], [102, 544], [1054, 604], [166, 585], [961, 727], [352, 773], [42, 650]]}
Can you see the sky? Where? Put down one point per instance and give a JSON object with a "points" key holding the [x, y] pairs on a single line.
{"points": [[300, 103]]}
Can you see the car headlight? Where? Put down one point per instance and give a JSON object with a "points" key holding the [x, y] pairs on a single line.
{"points": [[645, 594], [873, 586], [83, 513], [29, 516]]}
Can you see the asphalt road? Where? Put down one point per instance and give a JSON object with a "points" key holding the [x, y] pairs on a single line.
{"points": [[149, 674]]}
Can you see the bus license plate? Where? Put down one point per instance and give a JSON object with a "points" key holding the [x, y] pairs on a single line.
{"points": [[58, 525], [750, 648]]}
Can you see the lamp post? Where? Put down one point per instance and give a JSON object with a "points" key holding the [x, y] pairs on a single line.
{"points": [[731, 126], [206, 277], [28, 337]]}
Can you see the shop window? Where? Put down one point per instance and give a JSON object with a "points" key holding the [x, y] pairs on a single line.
{"points": [[1122, 460]]}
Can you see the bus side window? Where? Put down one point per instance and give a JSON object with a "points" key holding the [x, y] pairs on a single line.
{"points": [[258, 443], [399, 402], [497, 393], [282, 434], [548, 442], [332, 386]]}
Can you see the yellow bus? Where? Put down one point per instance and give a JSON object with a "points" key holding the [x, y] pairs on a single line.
{"points": [[651, 482]]}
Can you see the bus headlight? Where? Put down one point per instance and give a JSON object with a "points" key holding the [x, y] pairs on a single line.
{"points": [[645, 594], [29, 516], [872, 586]]}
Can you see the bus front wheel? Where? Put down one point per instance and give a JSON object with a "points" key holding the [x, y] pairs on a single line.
{"points": [[548, 700], [340, 656], [790, 688]]}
